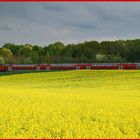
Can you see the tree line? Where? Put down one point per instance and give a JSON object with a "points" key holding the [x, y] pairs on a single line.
{"points": [[86, 52]]}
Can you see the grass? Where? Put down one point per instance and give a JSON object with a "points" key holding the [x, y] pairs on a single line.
{"points": [[70, 104]]}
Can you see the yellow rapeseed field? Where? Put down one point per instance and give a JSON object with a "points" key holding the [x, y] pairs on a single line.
{"points": [[70, 104]]}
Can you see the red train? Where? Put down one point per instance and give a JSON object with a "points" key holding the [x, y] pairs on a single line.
{"points": [[73, 66]]}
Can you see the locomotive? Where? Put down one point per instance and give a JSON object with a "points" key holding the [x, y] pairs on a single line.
{"points": [[71, 66]]}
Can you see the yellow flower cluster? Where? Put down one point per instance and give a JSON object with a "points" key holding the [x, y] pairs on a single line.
{"points": [[70, 104]]}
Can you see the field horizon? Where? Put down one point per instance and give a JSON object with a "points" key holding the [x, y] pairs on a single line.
{"points": [[70, 104]]}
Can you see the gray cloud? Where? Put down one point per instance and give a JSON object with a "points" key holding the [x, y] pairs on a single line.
{"points": [[44, 23], [53, 7], [5, 28]]}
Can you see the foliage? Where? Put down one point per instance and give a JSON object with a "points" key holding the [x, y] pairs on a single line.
{"points": [[2, 61], [86, 52], [100, 58]]}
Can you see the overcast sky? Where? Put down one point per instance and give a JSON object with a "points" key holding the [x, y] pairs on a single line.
{"points": [[44, 23]]}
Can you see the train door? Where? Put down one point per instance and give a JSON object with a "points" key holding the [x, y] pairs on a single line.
{"points": [[47, 68], [137, 67], [38, 68], [120, 67], [77, 67], [9, 68], [87, 67]]}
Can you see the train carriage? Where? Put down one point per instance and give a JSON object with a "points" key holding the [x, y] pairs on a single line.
{"points": [[21, 67], [71, 66], [2, 67], [127, 66]]}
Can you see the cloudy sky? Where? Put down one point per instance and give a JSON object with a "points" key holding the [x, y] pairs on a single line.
{"points": [[44, 23]]}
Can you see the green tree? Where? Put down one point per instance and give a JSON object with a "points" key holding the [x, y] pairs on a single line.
{"points": [[101, 58], [6, 53], [2, 61]]}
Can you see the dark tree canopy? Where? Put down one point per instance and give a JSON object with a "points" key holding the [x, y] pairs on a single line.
{"points": [[86, 52]]}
